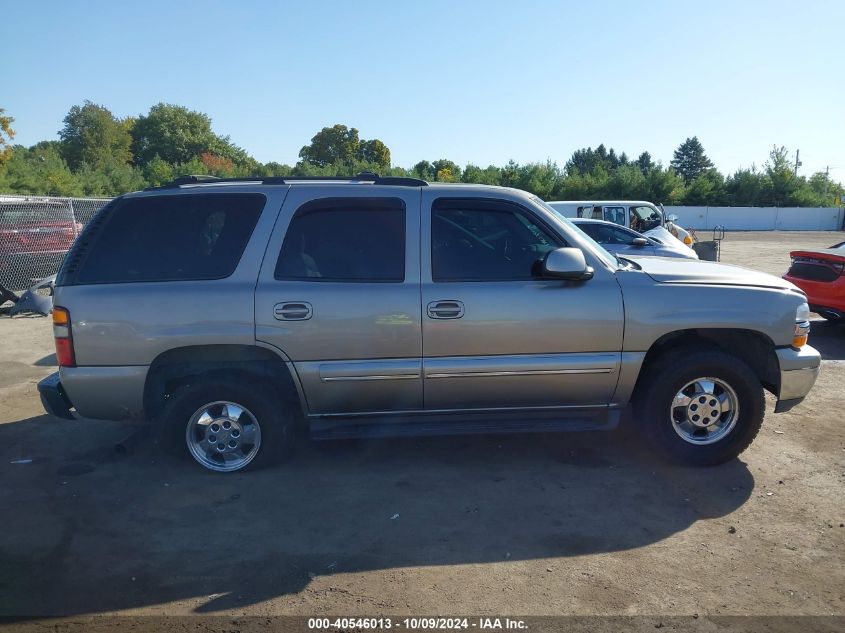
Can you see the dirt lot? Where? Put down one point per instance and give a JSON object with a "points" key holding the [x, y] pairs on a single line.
{"points": [[570, 524]]}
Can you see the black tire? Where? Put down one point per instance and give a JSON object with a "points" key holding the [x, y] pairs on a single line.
{"points": [[270, 411], [667, 375]]}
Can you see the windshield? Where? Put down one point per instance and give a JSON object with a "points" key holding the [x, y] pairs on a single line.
{"points": [[585, 241]]}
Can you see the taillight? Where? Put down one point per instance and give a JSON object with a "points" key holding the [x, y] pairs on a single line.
{"points": [[63, 337]]}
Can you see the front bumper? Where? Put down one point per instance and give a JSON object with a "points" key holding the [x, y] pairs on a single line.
{"points": [[53, 397], [798, 372]]}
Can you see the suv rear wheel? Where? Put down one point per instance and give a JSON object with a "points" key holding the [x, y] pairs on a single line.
{"points": [[227, 426], [700, 408]]}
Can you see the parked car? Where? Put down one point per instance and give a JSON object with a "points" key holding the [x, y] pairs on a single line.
{"points": [[821, 274], [224, 311], [617, 239], [639, 215], [33, 240]]}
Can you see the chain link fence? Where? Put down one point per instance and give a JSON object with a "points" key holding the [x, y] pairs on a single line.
{"points": [[35, 234]]}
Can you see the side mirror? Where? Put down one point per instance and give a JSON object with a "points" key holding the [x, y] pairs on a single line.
{"points": [[672, 218], [568, 264], [639, 241]]}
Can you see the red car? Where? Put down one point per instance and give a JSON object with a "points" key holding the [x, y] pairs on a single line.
{"points": [[821, 274], [34, 237]]}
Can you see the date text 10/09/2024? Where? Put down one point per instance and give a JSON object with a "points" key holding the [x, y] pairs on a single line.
{"points": [[424, 623]]}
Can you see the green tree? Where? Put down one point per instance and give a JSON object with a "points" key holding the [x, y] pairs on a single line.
{"points": [[541, 179], [424, 170], [474, 174], [158, 172], [174, 133], [745, 188], [827, 190], [39, 170], [627, 182], [450, 170], [374, 152], [707, 189], [587, 160], [332, 145], [664, 185], [6, 136], [781, 181], [94, 136], [689, 160], [110, 179], [644, 162]]}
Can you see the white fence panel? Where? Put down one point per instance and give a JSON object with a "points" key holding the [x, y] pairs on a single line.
{"points": [[692, 217], [806, 219], [759, 218], [742, 218]]}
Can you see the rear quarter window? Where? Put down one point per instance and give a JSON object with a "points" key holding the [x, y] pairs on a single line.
{"points": [[168, 238]]}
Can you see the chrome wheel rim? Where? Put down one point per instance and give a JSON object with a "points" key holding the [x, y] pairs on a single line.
{"points": [[704, 411], [223, 436]]}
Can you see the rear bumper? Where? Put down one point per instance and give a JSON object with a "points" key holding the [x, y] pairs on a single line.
{"points": [[798, 372], [53, 397], [106, 393]]}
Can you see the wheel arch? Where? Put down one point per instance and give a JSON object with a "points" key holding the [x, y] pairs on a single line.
{"points": [[180, 365], [754, 348]]}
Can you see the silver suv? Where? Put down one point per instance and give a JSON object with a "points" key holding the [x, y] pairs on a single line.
{"points": [[229, 313]]}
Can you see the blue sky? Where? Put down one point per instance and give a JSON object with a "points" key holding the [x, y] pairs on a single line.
{"points": [[480, 82]]}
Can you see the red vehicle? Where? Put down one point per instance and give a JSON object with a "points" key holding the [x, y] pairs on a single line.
{"points": [[821, 274], [34, 237]]}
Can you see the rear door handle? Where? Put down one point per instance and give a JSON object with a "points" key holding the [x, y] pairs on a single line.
{"points": [[447, 309], [293, 311]]}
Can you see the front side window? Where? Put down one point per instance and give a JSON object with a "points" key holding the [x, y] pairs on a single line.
{"points": [[486, 241], [345, 240], [171, 238], [621, 236]]}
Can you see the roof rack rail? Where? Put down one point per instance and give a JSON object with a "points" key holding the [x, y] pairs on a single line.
{"points": [[364, 176]]}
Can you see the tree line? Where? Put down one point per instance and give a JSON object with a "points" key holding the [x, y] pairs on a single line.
{"points": [[98, 154]]}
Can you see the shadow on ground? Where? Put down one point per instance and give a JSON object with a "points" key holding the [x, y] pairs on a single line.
{"points": [[86, 532], [829, 338]]}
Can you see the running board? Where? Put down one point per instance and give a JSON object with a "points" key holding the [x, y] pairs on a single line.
{"points": [[463, 424]]}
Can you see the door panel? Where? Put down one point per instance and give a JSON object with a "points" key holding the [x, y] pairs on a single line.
{"points": [[519, 342], [528, 380], [356, 345], [362, 386]]}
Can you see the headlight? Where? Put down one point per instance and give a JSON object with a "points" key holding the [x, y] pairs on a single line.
{"points": [[802, 326]]}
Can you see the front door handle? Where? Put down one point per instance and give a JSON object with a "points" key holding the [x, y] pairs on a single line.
{"points": [[293, 311], [447, 309]]}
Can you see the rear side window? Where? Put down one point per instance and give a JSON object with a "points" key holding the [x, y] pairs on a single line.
{"points": [[169, 238], [346, 240]]}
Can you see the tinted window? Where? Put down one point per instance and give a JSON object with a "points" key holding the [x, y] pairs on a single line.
{"points": [[599, 232], [621, 236], [345, 240], [169, 238], [476, 241]]}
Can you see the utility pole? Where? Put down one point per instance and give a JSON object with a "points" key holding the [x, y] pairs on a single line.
{"points": [[826, 179], [797, 162]]}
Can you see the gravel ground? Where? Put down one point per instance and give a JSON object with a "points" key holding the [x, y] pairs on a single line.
{"points": [[576, 524]]}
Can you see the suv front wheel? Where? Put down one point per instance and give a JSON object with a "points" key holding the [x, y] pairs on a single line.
{"points": [[227, 426], [700, 408]]}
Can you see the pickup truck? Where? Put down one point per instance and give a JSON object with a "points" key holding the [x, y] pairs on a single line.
{"points": [[230, 313]]}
